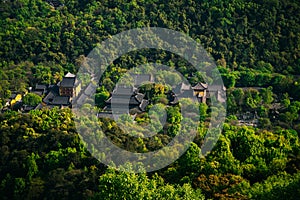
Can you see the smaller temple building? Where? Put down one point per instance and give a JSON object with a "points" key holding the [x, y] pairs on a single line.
{"points": [[69, 86], [126, 100]]}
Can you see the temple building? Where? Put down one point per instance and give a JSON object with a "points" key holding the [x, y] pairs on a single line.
{"points": [[200, 92], [62, 94], [126, 100], [69, 86]]}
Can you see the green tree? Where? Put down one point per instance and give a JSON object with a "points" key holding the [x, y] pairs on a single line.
{"points": [[127, 185], [32, 99], [32, 166], [19, 188], [267, 95], [101, 96]]}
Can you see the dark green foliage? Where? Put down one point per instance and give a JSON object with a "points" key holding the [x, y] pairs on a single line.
{"points": [[121, 185], [41, 150], [281, 186], [32, 99], [101, 96]]}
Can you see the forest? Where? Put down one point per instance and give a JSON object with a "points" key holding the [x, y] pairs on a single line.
{"points": [[256, 46]]}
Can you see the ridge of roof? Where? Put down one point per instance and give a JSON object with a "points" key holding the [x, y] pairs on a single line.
{"points": [[199, 86]]}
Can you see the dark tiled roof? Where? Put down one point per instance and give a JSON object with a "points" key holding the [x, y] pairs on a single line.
{"points": [[214, 88], [105, 115], [220, 95], [184, 86], [51, 106], [123, 100], [28, 108], [122, 90], [186, 94], [54, 89], [133, 101], [40, 93], [118, 108], [39, 87], [67, 82], [39, 106], [49, 98], [59, 100], [117, 100], [181, 88], [200, 86], [80, 100], [142, 79], [125, 96], [90, 89]]}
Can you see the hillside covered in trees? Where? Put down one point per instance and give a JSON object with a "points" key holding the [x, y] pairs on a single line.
{"points": [[257, 50]]}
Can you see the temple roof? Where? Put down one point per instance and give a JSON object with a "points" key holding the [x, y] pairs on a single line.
{"points": [[90, 89], [40, 87], [59, 100], [124, 90], [141, 79], [213, 88], [200, 86], [180, 88], [68, 82]]}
